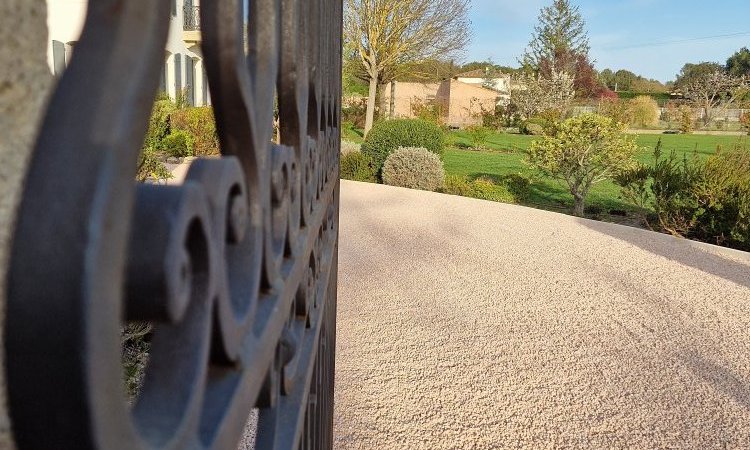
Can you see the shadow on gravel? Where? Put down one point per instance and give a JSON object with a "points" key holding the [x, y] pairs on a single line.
{"points": [[690, 254], [721, 378]]}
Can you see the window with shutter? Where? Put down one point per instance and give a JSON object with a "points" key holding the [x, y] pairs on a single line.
{"points": [[190, 80], [205, 87], [177, 75], [58, 57]]}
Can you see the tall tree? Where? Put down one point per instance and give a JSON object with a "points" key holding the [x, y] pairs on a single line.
{"points": [[388, 34], [691, 73], [561, 31], [738, 64], [578, 65]]}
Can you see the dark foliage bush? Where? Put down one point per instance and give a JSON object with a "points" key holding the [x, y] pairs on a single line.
{"points": [[706, 200], [158, 124], [200, 124], [357, 167], [178, 143], [387, 136]]}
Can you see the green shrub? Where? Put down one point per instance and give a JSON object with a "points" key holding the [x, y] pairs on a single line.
{"points": [[178, 143], [533, 129], [706, 200], [458, 185], [201, 125], [387, 136], [414, 168], [518, 185], [150, 166], [510, 189], [644, 112], [158, 124], [503, 116], [349, 147], [478, 135], [686, 120], [617, 110], [543, 124], [486, 189], [357, 167]]}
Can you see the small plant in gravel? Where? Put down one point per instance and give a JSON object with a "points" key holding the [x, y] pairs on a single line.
{"points": [[414, 168]]}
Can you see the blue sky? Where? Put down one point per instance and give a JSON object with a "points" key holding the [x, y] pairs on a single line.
{"points": [[621, 32]]}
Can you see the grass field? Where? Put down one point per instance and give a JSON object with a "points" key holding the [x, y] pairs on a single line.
{"points": [[504, 157]]}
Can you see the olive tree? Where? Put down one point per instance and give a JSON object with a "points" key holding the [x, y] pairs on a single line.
{"points": [[584, 151], [388, 34]]}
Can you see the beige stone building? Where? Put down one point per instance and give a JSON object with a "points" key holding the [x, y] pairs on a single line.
{"points": [[459, 101]]}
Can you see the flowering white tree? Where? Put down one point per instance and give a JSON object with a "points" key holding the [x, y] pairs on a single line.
{"points": [[534, 94]]}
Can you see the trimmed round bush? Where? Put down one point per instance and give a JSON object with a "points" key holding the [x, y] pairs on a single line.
{"points": [[386, 137], [357, 167], [414, 168]]}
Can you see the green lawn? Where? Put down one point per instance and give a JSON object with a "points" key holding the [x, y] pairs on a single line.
{"points": [[504, 157]]}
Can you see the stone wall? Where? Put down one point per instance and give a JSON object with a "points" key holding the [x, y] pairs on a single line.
{"points": [[25, 81]]}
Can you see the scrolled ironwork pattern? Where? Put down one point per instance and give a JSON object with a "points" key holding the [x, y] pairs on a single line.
{"points": [[235, 267]]}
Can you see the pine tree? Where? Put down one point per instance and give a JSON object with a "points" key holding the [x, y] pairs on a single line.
{"points": [[561, 31]]}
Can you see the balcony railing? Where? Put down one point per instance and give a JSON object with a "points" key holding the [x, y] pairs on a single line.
{"points": [[191, 18]]}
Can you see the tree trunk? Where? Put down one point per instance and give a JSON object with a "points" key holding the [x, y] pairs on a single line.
{"points": [[579, 205], [370, 117], [392, 106]]}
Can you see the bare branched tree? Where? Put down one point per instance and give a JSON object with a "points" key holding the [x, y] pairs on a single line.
{"points": [[716, 92], [390, 33]]}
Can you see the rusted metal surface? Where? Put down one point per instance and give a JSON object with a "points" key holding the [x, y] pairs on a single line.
{"points": [[235, 268]]}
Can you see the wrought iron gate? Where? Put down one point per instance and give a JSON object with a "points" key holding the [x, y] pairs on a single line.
{"points": [[236, 268]]}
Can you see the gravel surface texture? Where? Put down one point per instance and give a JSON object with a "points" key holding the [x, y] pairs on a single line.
{"points": [[465, 324]]}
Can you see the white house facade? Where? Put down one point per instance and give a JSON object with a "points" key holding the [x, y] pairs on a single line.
{"points": [[183, 74], [500, 83]]}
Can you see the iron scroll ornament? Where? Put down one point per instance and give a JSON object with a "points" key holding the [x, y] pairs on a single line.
{"points": [[236, 267]]}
